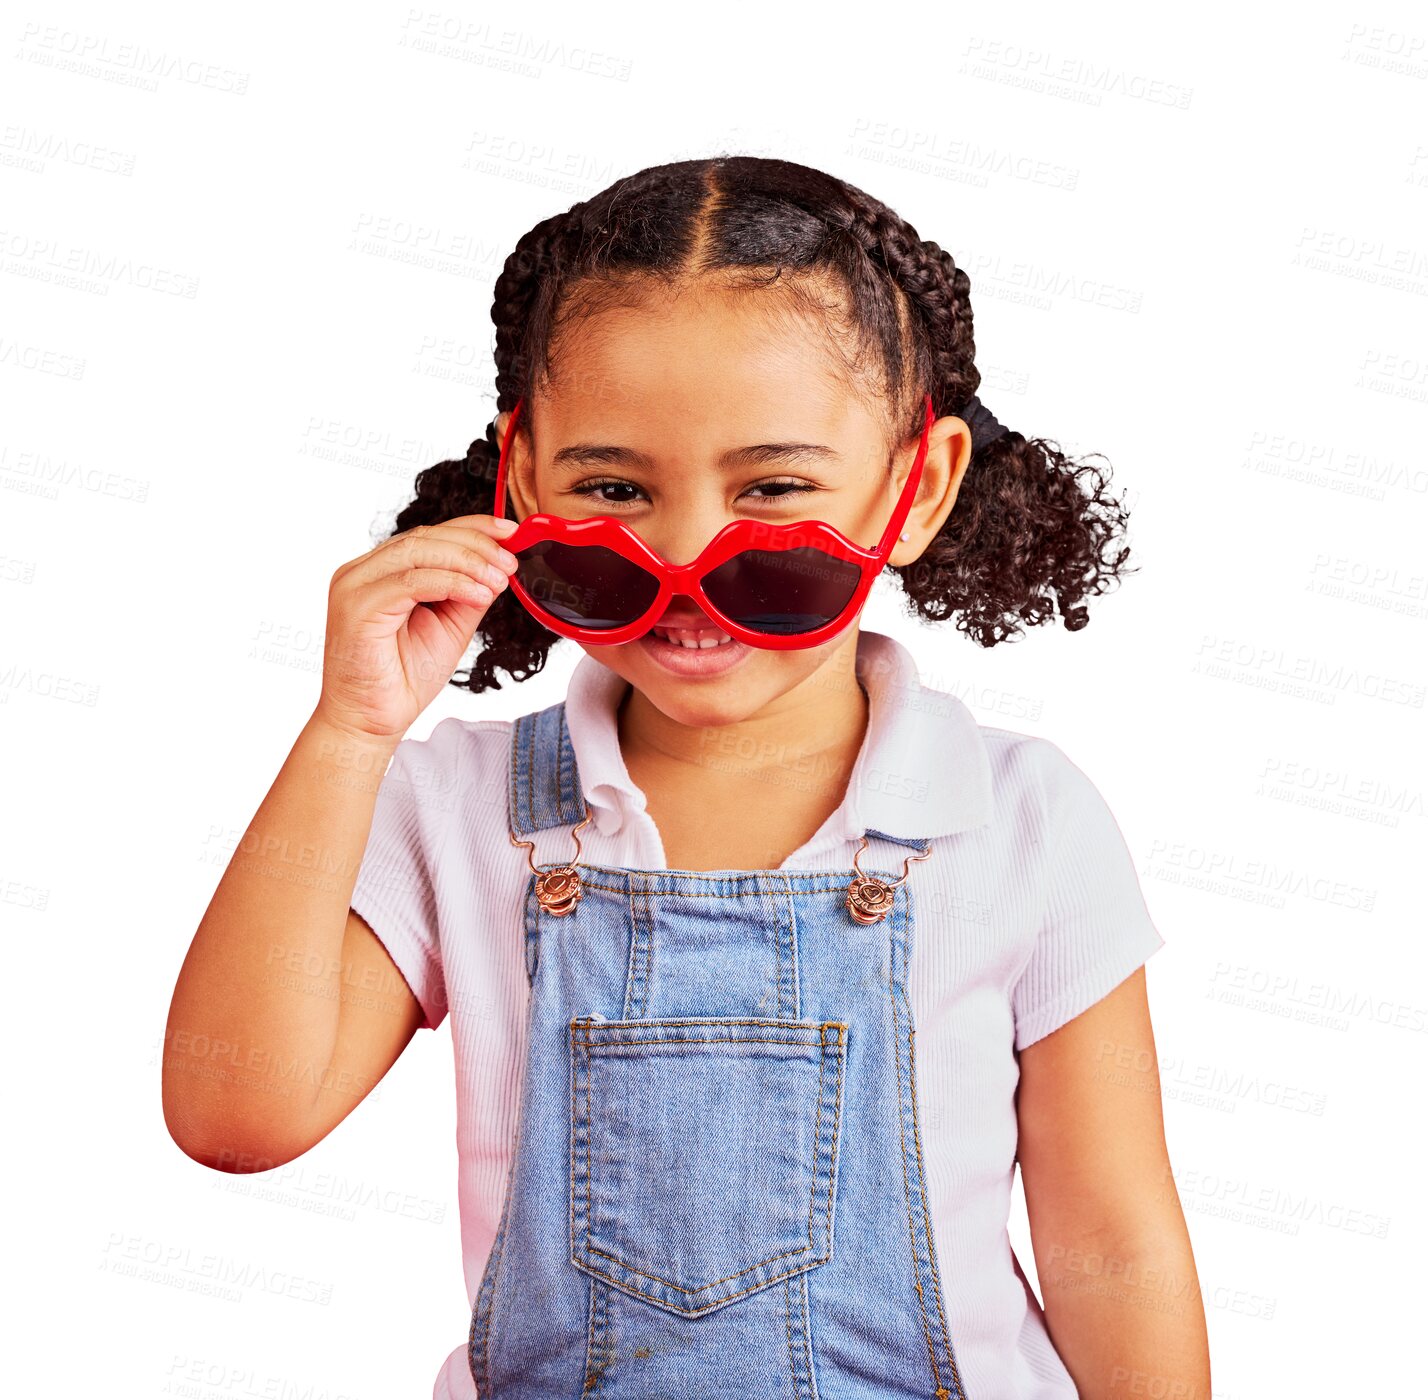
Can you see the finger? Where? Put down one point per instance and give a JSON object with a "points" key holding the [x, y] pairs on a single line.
{"points": [[433, 552], [470, 538], [494, 525], [397, 592], [478, 531]]}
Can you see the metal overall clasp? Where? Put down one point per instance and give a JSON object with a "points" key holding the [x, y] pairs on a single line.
{"points": [[557, 889], [869, 898]]}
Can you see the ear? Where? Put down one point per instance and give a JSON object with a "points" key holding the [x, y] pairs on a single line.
{"points": [[949, 450]]}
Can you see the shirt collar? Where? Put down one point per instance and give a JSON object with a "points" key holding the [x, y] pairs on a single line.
{"points": [[922, 772]]}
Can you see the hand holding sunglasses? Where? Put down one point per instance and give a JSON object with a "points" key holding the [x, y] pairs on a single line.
{"points": [[776, 586]]}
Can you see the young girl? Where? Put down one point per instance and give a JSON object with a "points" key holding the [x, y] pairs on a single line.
{"points": [[765, 961]]}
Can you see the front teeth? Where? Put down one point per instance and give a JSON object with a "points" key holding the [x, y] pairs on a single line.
{"points": [[693, 638]]}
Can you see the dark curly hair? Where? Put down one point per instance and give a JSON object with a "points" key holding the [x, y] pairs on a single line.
{"points": [[1030, 526]]}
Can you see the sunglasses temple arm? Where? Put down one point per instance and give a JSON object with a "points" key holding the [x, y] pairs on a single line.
{"points": [[498, 509], [909, 490]]}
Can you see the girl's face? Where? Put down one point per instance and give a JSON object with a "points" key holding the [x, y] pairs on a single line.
{"points": [[686, 413]]}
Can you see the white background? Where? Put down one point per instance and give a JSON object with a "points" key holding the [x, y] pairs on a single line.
{"points": [[235, 323]]}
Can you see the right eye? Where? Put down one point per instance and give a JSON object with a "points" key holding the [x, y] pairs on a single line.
{"points": [[613, 492]]}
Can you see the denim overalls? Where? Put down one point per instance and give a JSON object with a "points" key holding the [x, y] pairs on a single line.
{"points": [[717, 1186]]}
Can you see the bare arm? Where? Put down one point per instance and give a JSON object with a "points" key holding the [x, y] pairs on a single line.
{"points": [[287, 1009], [1113, 1255], [259, 1001]]}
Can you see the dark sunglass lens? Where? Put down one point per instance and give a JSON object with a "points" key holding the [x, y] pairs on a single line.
{"points": [[587, 585], [782, 591]]}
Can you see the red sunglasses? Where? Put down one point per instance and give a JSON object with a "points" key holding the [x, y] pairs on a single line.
{"points": [[779, 586]]}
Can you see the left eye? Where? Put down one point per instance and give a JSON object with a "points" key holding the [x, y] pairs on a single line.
{"points": [[784, 489], [787, 487]]}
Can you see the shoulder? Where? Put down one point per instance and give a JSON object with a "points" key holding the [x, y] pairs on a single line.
{"points": [[1027, 760], [1036, 784], [1055, 820], [460, 765], [456, 737], [970, 775]]}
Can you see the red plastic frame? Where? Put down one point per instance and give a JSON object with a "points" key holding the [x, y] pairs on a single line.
{"points": [[685, 580]]}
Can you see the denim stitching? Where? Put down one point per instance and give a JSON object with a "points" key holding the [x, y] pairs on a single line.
{"points": [[904, 923], [788, 978], [513, 810], [651, 923], [772, 940], [927, 1223], [564, 796], [647, 949], [486, 1313], [527, 778], [632, 953], [591, 1377], [788, 1335], [795, 951], [893, 972], [767, 1023], [471, 1335], [574, 1153], [497, 1255], [716, 1303], [586, 1136], [817, 1136], [818, 1129], [839, 1046], [495, 1277], [600, 1356], [529, 741], [695, 1040], [647, 888], [790, 999], [800, 1361], [809, 1379], [837, 1125], [637, 972], [605, 1342], [714, 1283]]}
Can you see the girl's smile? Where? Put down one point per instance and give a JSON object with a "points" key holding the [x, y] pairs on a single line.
{"points": [[686, 643]]}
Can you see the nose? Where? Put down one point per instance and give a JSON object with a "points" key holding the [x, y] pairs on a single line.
{"points": [[684, 611], [680, 536]]}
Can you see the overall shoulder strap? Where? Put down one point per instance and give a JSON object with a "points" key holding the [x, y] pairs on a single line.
{"points": [[544, 788], [915, 843]]}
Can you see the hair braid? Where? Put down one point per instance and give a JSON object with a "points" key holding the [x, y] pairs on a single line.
{"points": [[937, 291], [986, 567]]}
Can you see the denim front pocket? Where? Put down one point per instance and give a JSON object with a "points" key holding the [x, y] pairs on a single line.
{"points": [[703, 1153]]}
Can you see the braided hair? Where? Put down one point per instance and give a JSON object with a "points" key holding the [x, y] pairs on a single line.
{"points": [[1032, 532]]}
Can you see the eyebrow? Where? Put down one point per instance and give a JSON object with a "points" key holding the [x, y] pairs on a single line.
{"points": [[583, 454]]}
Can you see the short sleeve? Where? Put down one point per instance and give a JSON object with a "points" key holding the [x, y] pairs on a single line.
{"points": [[396, 888], [1095, 928]]}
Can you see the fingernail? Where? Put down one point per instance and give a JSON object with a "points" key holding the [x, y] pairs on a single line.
{"points": [[503, 526], [507, 560]]}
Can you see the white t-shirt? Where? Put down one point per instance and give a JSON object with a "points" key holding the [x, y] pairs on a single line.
{"points": [[1028, 911]]}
